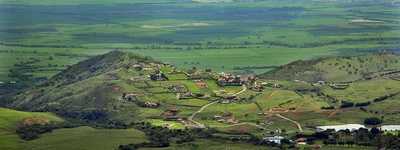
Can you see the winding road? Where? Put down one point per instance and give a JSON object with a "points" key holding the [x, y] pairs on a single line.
{"points": [[209, 104], [298, 124]]}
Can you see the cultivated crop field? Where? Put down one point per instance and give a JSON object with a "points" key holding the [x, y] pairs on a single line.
{"points": [[247, 38]]}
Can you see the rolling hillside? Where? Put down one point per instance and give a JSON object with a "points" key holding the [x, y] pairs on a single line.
{"points": [[85, 90], [340, 69], [10, 120]]}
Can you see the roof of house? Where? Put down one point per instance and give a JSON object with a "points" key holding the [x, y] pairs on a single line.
{"points": [[301, 139]]}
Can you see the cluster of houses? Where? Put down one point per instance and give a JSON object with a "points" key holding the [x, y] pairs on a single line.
{"points": [[230, 79], [191, 95], [170, 112], [260, 86]]}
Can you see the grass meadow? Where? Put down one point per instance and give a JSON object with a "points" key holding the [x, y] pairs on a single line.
{"points": [[85, 138], [9, 122]]}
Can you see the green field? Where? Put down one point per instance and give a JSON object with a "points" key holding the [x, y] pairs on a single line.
{"points": [[247, 38], [9, 122], [355, 45], [86, 138]]}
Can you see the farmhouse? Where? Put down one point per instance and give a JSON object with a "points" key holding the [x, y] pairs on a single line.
{"points": [[221, 81], [301, 139], [225, 101], [166, 63], [137, 66], [236, 98], [188, 94], [243, 80], [216, 117], [222, 92], [207, 96], [276, 139], [130, 95], [150, 104], [180, 120]]}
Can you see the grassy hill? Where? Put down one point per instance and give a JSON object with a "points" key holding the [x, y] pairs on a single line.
{"points": [[93, 90], [87, 89], [340, 69], [11, 119], [129, 87]]}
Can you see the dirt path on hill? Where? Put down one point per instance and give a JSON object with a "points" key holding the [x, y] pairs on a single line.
{"points": [[209, 104], [251, 108], [334, 112], [298, 124], [272, 94]]}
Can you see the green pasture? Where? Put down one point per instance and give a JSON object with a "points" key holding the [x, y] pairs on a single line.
{"points": [[364, 91], [281, 96], [86, 138], [9, 122]]}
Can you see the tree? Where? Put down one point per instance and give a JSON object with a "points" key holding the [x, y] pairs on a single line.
{"points": [[285, 141], [341, 143], [325, 142], [51, 58], [350, 142], [374, 130], [372, 121]]}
